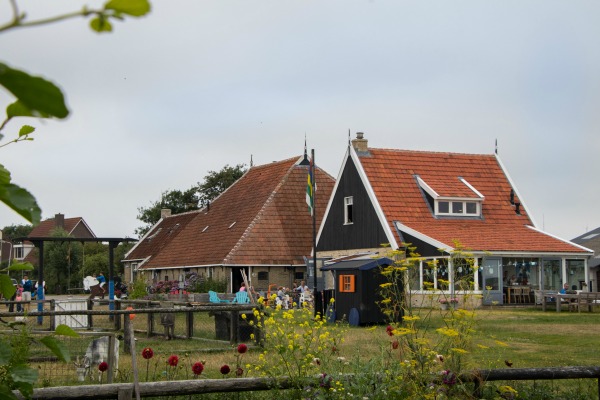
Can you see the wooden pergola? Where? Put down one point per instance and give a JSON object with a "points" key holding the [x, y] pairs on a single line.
{"points": [[39, 243]]}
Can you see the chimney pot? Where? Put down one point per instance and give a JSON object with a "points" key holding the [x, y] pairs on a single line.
{"points": [[360, 144]]}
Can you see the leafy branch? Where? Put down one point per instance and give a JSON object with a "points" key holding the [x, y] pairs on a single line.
{"points": [[39, 98], [115, 9]]}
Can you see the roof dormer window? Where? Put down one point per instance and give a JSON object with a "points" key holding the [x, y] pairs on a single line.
{"points": [[458, 207], [452, 199]]}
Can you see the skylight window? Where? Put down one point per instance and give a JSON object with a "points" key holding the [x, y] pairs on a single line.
{"points": [[205, 228]]}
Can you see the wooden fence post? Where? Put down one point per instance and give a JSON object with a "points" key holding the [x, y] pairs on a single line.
{"points": [[90, 306], [111, 358], [189, 320], [234, 327], [126, 332], [117, 316], [53, 317], [150, 323]]}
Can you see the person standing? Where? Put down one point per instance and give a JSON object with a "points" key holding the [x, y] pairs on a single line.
{"points": [[27, 289]]}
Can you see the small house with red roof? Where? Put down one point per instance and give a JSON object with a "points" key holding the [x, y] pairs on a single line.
{"points": [[441, 205], [260, 225], [75, 227]]}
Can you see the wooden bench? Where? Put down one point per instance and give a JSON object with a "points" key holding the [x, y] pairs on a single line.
{"points": [[588, 299]]}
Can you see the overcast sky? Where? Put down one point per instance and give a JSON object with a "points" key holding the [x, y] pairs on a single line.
{"points": [[196, 85]]}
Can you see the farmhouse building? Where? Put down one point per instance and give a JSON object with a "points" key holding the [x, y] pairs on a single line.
{"points": [[442, 203], [260, 225]]}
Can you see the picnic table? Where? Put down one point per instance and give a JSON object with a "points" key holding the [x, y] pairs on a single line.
{"points": [[573, 300]]}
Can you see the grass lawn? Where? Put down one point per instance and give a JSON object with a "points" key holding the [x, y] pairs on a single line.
{"points": [[533, 339]]}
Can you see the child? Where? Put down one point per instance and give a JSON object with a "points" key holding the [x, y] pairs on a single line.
{"points": [[19, 297]]}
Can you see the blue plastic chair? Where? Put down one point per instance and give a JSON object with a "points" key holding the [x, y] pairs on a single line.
{"points": [[241, 297], [213, 297]]}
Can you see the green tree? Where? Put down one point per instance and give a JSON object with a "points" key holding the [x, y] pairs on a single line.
{"points": [[215, 183], [14, 231], [175, 200]]}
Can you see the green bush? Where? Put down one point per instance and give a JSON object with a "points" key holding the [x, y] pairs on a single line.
{"points": [[138, 289]]}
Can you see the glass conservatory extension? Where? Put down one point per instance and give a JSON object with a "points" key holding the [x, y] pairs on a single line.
{"points": [[497, 278]]}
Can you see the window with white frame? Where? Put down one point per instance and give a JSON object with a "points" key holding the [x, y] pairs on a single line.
{"points": [[468, 204], [457, 207], [19, 253], [348, 210]]}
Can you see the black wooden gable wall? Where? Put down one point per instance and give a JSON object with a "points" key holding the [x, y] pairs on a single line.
{"points": [[365, 231]]}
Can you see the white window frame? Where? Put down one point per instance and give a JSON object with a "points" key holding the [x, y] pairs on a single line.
{"points": [[18, 252], [348, 205], [464, 202]]}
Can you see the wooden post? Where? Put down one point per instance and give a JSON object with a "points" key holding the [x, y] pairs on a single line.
{"points": [[150, 323], [189, 320], [53, 317], [111, 358], [233, 337], [90, 306], [136, 381], [117, 316], [127, 328]]}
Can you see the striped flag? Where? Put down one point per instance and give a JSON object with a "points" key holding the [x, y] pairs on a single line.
{"points": [[310, 195]]}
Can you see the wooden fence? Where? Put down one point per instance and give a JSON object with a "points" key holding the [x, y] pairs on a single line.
{"points": [[203, 386], [223, 313]]}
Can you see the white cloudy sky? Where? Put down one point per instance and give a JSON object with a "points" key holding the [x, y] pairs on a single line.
{"points": [[196, 85]]}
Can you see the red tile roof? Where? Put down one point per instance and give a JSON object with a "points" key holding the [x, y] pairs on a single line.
{"points": [[75, 227], [262, 219], [160, 236], [45, 228], [391, 174]]}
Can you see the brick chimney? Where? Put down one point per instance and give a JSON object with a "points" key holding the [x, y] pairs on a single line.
{"points": [[59, 221], [360, 144], [165, 212]]}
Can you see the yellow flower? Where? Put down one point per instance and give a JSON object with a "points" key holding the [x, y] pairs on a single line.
{"points": [[459, 351], [447, 332], [403, 331], [385, 285], [409, 318]]}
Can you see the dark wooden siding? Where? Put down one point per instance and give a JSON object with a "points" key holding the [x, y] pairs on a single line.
{"points": [[423, 249], [365, 232], [365, 297]]}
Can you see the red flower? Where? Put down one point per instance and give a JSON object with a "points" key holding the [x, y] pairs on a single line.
{"points": [[225, 369], [173, 360], [239, 371], [103, 366], [395, 344], [197, 368], [242, 348], [147, 353], [389, 330]]}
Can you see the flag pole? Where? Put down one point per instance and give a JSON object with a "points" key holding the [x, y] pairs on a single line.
{"points": [[314, 229]]}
